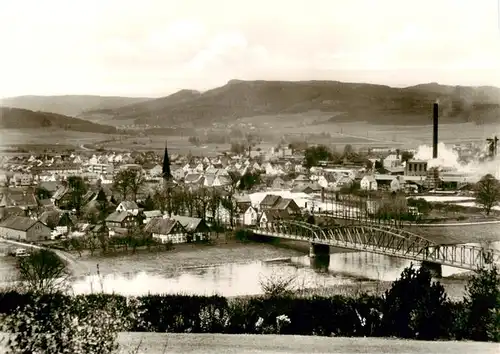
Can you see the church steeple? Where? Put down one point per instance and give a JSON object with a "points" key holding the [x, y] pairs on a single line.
{"points": [[166, 173]]}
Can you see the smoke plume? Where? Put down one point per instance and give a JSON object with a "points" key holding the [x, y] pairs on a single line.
{"points": [[449, 160]]}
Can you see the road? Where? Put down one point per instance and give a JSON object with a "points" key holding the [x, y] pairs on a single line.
{"points": [[72, 261], [83, 147]]}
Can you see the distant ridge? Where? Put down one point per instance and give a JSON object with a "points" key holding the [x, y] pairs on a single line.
{"points": [[69, 105], [355, 102], [17, 118]]}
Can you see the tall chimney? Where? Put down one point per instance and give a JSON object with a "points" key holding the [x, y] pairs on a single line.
{"points": [[435, 116]]}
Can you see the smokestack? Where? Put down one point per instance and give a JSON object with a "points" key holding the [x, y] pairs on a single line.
{"points": [[435, 116]]}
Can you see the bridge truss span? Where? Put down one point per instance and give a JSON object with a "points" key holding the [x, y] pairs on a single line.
{"points": [[384, 240]]}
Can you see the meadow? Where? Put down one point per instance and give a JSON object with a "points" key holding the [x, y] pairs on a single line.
{"points": [[317, 127]]}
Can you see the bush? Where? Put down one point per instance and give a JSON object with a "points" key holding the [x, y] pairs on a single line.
{"points": [[482, 304], [414, 307]]}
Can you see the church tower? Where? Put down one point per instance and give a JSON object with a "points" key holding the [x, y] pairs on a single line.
{"points": [[166, 173]]}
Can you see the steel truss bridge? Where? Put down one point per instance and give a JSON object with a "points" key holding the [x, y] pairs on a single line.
{"points": [[385, 240]]}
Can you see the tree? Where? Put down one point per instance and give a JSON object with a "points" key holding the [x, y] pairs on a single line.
{"points": [[149, 203], [488, 193], [482, 301], [298, 146], [43, 271], [136, 182], [194, 140], [414, 306], [314, 154], [128, 182], [237, 148], [248, 180], [348, 150], [406, 155], [78, 190]]}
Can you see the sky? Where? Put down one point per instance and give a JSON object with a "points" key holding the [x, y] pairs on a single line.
{"points": [[154, 48]]}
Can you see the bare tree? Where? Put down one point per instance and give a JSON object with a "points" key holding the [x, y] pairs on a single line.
{"points": [[121, 183], [43, 271], [488, 193], [136, 182]]}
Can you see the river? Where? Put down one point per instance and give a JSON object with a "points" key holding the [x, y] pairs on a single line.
{"points": [[149, 273]]}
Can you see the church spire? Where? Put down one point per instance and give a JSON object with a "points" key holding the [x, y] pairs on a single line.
{"points": [[166, 173]]}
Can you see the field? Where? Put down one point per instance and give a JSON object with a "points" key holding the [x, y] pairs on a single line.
{"points": [[315, 127], [18, 138], [195, 343]]}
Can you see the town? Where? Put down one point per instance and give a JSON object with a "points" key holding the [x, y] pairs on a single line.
{"points": [[170, 199]]}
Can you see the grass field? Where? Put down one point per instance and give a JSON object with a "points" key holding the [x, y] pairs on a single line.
{"points": [[15, 137], [271, 129]]}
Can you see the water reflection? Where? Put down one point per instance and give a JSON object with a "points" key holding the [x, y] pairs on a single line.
{"points": [[320, 263], [245, 279]]}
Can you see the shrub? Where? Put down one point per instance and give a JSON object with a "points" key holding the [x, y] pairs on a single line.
{"points": [[57, 323], [414, 306], [483, 305]]}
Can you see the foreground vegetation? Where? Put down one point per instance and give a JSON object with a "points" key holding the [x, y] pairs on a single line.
{"points": [[42, 316]]}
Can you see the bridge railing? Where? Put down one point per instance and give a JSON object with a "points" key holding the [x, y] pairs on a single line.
{"points": [[385, 240]]}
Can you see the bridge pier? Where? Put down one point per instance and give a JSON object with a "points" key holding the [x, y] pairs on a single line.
{"points": [[320, 263], [434, 268], [316, 249]]}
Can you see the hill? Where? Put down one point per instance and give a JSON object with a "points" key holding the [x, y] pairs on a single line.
{"points": [[355, 102], [145, 107], [70, 105], [17, 118]]}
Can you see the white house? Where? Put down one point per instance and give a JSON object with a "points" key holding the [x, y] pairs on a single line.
{"points": [[368, 183], [128, 206], [156, 171], [397, 184], [178, 174], [250, 216], [392, 161]]}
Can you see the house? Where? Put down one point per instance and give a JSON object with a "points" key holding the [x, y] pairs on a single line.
{"points": [[278, 183], [194, 178], [368, 183], [166, 230], [269, 201], [23, 199], [392, 161], [268, 216], [250, 216], [128, 206], [288, 205], [343, 181], [62, 196], [148, 215], [98, 231], [156, 171], [242, 203], [196, 228], [22, 228], [397, 184], [326, 180], [178, 173], [121, 220], [301, 180], [415, 168]]}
